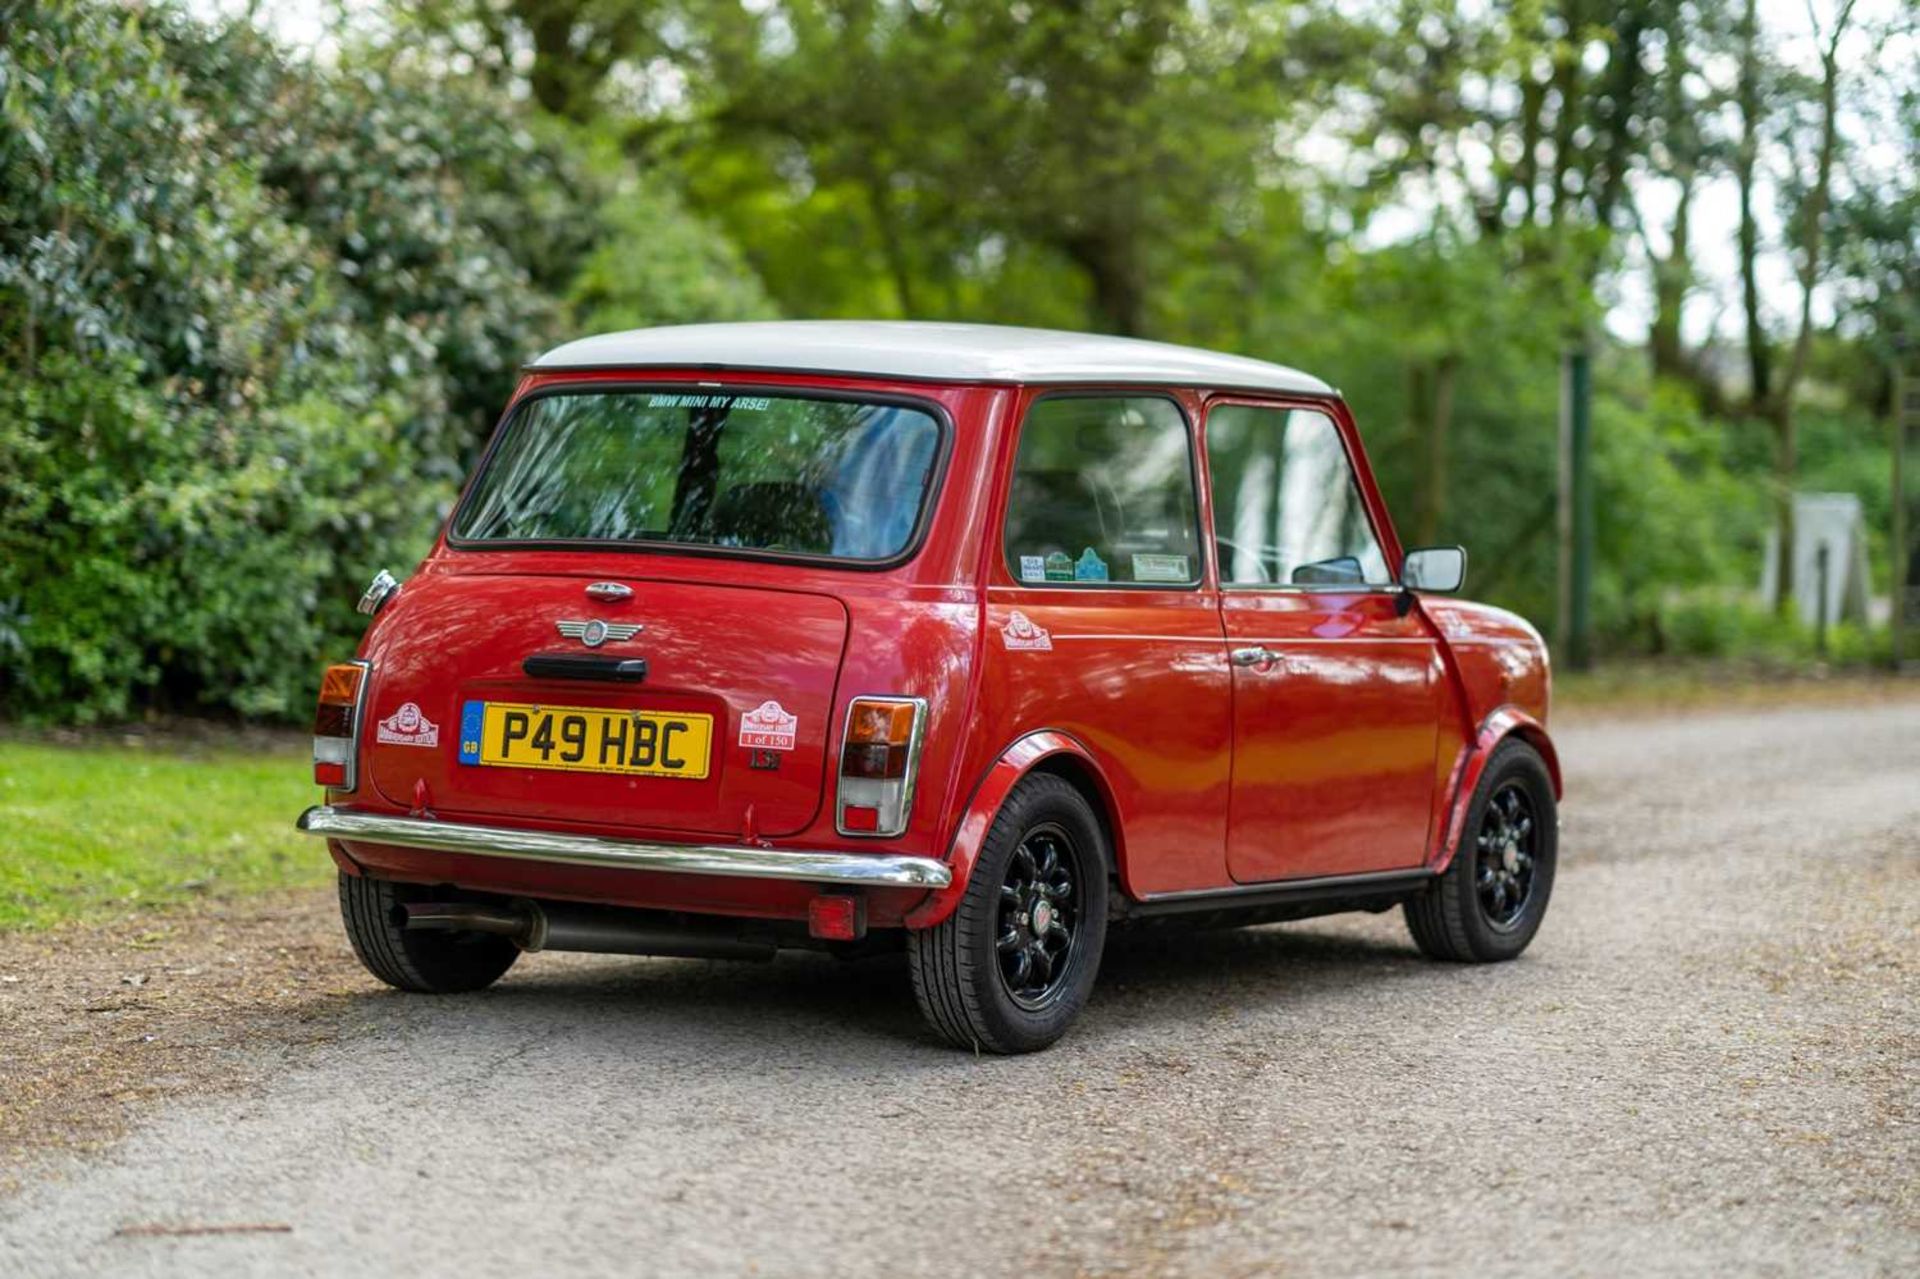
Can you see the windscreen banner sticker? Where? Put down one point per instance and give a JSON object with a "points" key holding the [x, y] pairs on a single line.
{"points": [[408, 727], [747, 403], [1089, 567], [1021, 633], [1033, 568], [1059, 567], [1161, 568], [768, 727]]}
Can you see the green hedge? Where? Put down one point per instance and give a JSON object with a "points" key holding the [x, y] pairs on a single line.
{"points": [[257, 315]]}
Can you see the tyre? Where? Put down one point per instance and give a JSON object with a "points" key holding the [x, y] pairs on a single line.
{"points": [[1011, 968], [425, 961], [1489, 902]]}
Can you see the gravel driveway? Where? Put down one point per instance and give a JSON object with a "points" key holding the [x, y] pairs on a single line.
{"points": [[1707, 1063]]}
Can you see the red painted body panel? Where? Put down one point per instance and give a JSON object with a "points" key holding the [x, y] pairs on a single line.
{"points": [[1139, 679], [1334, 743], [715, 650], [1503, 685], [1357, 760]]}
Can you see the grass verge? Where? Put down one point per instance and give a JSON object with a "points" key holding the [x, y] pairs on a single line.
{"points": [[97, 825], [1682, 687]]}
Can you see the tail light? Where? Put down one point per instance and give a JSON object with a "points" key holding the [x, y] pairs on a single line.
{"points": [[336, 725], [878, 760]]}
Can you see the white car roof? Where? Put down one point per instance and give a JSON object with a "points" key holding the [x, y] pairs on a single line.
{"points": [[927, 352]]}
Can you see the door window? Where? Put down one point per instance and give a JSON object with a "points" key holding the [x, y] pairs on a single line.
{"points": [[1103, 494], [1286, 507]]}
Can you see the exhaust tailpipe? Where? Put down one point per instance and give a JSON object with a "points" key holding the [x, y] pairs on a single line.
{"points": [[604, 930]]}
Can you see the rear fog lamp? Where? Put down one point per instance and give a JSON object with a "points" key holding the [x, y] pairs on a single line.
{"points": [[839, 917]]}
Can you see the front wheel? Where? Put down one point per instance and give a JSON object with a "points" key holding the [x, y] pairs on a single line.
{"points": [[1011, 968], [1489, 902]]}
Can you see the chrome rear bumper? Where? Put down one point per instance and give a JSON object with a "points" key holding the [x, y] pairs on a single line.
{"points": [[867, 870]]}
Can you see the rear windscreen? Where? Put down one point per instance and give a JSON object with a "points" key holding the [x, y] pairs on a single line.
{"points": [[789, 473]]}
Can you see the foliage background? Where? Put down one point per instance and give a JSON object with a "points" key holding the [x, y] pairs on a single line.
{"points": [[258, 305]]}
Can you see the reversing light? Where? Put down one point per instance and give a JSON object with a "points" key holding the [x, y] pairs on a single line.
{"points": [[878, 758], [336, 725]]}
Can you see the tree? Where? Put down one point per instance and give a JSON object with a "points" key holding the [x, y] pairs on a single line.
{"points": [[971, 153], [1808, 196]]}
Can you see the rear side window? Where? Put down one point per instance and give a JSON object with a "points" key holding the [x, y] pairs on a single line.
{"points": [[1103, 493], [840, 478], [1286, 508]]}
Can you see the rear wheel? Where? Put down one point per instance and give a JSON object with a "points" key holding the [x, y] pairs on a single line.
{"points": [[1013, 965], [1489, 902], [423, 961]]}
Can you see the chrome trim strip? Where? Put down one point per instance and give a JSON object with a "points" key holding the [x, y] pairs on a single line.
{"points": [[871, 870]]}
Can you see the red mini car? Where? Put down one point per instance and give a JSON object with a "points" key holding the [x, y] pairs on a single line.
{"points": [[964, 640]]}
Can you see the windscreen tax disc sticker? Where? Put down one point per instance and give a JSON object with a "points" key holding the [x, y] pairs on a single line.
{"points": [[1160, 568]]}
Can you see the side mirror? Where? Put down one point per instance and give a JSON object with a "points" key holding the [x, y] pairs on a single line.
{"points": [[1344, 571], [1434, 568]]}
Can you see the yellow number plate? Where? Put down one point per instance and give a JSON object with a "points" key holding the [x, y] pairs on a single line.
{"points": [[584, 739]]}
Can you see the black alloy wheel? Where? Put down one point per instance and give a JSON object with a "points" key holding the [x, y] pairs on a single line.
{"points": [[1013, 965], [1039, 915], [1505, 853], [1487, 905]]}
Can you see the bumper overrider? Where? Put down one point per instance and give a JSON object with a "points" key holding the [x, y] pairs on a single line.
{"points": [[866, 870]]}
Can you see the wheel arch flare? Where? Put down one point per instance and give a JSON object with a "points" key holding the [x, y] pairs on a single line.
{"points": [[1043, 751], [1504, 723]]}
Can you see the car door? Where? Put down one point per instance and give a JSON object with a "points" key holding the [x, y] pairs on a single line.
{"points": [[1100, 624], [1337, 685]]}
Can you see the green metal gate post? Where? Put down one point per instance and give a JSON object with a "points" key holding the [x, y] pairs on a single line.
{"points": [[1906, 409], [1576, 508]]}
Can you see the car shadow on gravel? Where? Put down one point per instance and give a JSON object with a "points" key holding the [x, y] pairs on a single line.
{"points": [[1148, 979]]}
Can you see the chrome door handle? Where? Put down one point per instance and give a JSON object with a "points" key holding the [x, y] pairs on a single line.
{"points": [[1254, 656]]}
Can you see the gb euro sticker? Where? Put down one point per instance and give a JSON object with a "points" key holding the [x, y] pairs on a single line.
{"points": [[768, 727], [408, 727], [1021, 633]]}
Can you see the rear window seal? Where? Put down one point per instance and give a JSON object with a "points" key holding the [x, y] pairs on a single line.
{"points": [[923, 522]]}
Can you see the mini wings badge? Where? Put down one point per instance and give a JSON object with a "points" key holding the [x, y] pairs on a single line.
{"points": [[596, 632]]}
